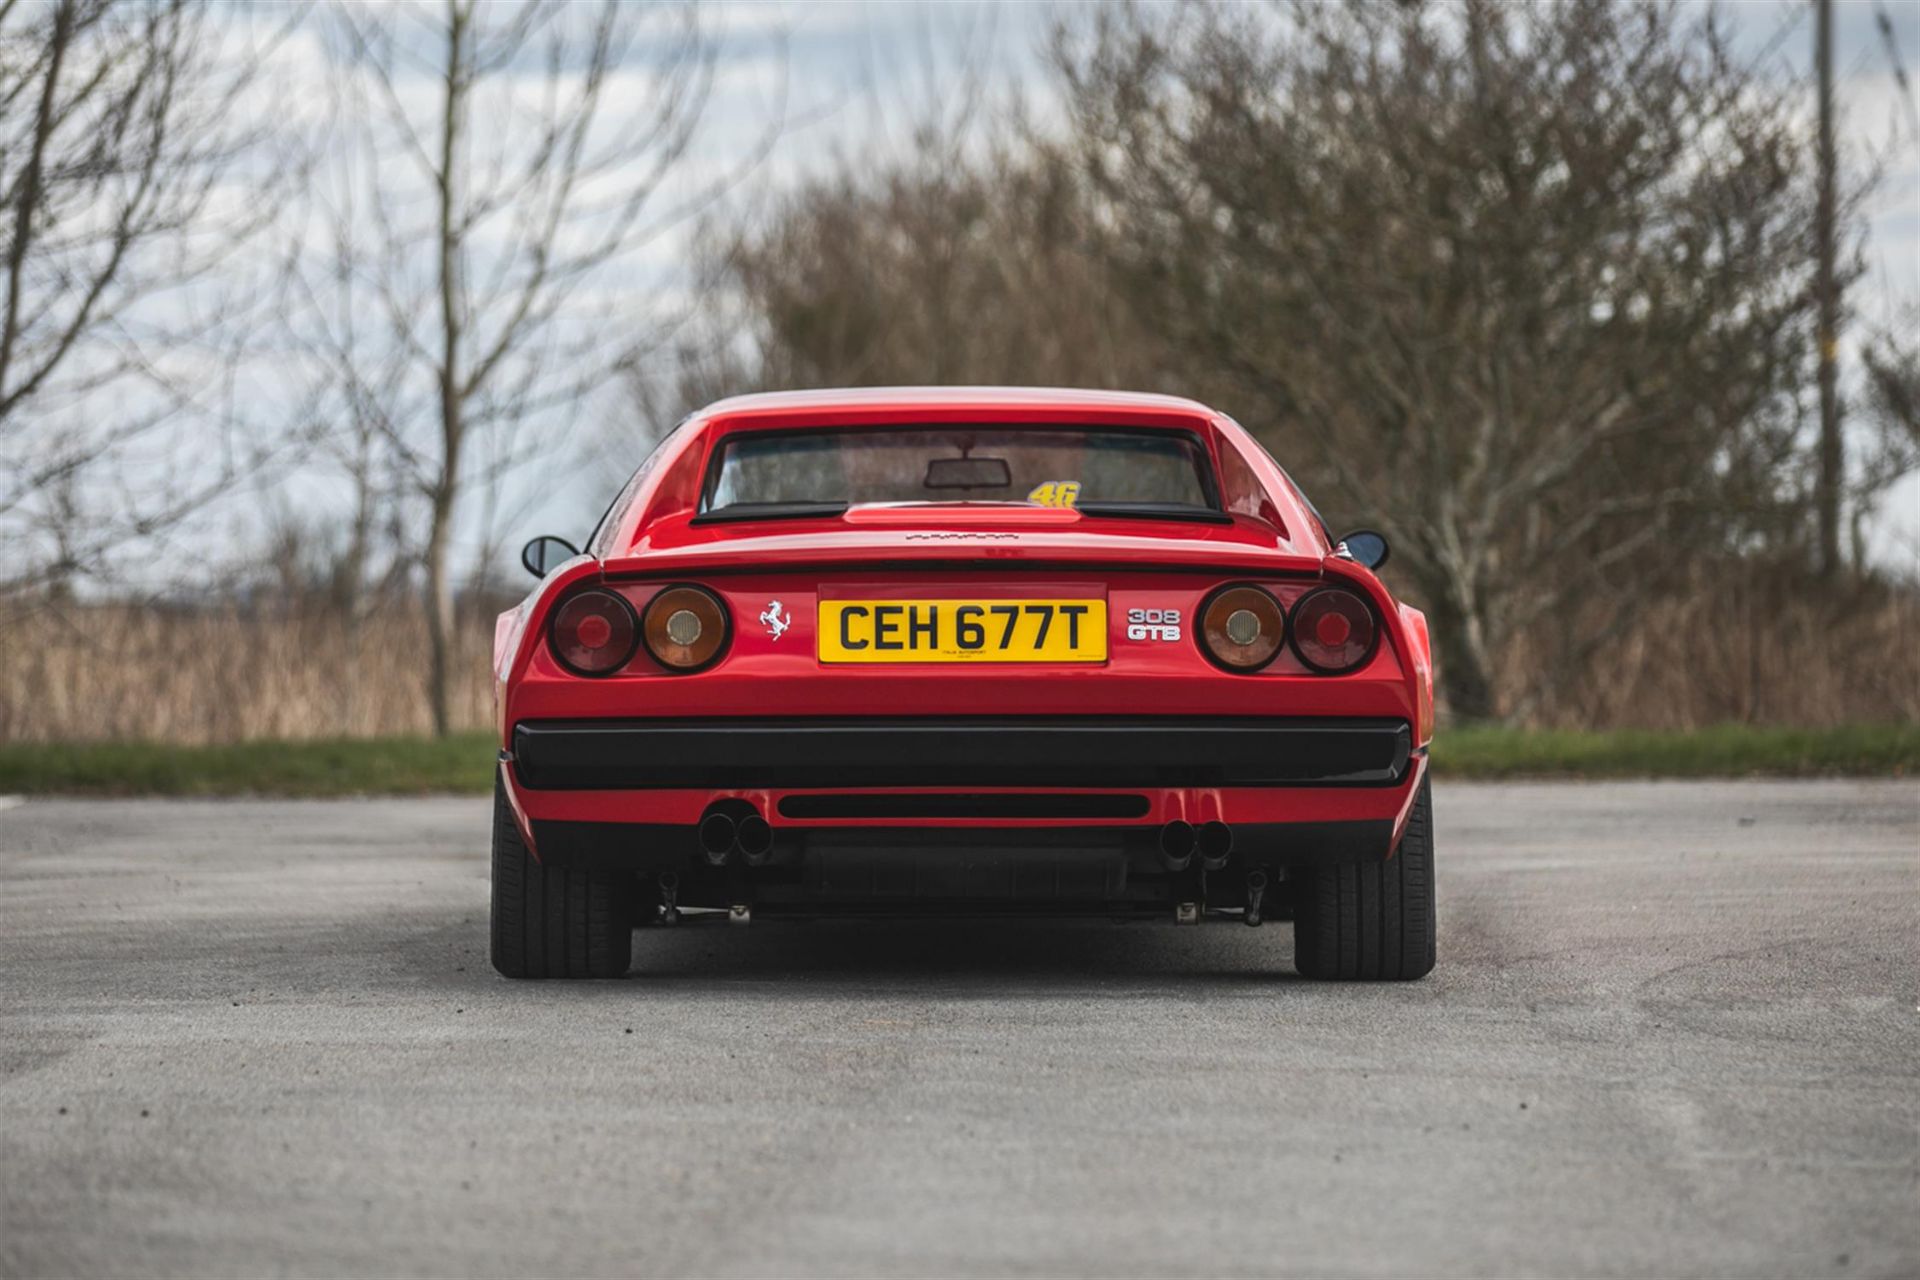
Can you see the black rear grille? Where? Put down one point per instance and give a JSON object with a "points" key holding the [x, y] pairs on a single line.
{"points": [[1028, 805]]}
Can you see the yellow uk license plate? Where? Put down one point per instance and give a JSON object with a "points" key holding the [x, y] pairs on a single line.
{"points": [[963, 631]]}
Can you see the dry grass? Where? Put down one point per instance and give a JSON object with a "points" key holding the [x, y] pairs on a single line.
{"points": [[1751, 650], [1739, 648], [226, 675]]}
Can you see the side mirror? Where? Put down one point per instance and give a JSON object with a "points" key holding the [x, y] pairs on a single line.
{"points": [[544, 553], [1364, 546]]}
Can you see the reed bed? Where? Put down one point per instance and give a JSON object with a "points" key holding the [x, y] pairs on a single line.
{"points": [[213, 675], [1753, 649], [1732, 650]]}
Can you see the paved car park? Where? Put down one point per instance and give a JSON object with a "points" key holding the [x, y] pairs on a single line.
{"points": [[1675, 1029]]}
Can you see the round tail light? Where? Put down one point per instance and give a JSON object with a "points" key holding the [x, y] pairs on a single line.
{"points": [[1333, 630], [685, 628], [1242, 628], [593, 633]]}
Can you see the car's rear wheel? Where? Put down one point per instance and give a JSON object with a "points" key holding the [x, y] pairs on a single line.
{"points": [[555, 922], [1371, 920]]}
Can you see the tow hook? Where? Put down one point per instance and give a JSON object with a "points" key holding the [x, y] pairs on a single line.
{"points": [[1256, 889], [669, 898], [740, 913], [1186, 913]]}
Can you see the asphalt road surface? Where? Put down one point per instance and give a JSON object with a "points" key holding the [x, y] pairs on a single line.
{"points": [[1675, 1029]]}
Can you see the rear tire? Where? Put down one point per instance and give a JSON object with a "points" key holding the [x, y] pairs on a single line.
{"points": [[1371, 920], [555, 922]]}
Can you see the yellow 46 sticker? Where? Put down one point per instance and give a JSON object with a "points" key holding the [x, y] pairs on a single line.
{"points": [[1056, 493]]}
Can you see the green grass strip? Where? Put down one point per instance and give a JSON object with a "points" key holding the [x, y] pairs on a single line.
{"points": [[464, 763], [1723, 751], [321, 767]]}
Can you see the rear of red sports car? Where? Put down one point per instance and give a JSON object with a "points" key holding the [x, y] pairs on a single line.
{"points": [[962, 651]]}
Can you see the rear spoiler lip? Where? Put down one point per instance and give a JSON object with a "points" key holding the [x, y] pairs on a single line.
{"points": [[964, 553]]}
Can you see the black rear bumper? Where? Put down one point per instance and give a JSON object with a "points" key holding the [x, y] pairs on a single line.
{"points": [[1104, 871], [576, 755], [656, 847]]}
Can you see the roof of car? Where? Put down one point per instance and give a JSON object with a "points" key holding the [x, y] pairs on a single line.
{"points": [[912, 398], [659, 512]]}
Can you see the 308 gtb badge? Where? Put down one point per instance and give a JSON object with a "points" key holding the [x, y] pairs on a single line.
{"points": [[1153, 624], [962, 650]]}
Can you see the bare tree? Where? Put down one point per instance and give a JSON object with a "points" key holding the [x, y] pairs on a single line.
{"points": [[1888, 450], [508, 163], [1527, 284], [1893, 393], [946, 248], [924, 272], [121, 138]]}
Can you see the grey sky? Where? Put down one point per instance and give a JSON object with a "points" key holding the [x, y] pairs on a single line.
{"points": [[857, 73], [849, 79]]}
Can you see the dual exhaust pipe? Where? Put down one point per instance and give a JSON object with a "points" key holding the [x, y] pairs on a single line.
{"points": [[1180, 841], [722, 835]]}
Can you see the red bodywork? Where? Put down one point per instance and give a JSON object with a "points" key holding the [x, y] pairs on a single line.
{"points": [[650, 540]]}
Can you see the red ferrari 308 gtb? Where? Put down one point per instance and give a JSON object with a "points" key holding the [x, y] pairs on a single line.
{"points": [[962, 650]]}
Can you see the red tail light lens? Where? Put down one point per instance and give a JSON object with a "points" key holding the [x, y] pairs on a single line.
{"points": [[1242, 628], [1333, 630], [594, 633], [686, 628]]}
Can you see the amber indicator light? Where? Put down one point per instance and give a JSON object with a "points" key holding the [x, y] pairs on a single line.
{"points": [[686, 628], [1242, 627]]}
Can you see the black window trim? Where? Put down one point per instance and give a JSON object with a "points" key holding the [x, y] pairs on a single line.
{"points": [[1209, 480]]}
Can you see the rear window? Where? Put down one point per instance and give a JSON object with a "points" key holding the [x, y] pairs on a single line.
{"points": [[1088, 467]]}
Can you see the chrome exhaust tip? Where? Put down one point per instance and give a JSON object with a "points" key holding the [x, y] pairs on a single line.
{"points": [[1176, 845], [755, 838], [1216, 845], [717, 837]]}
